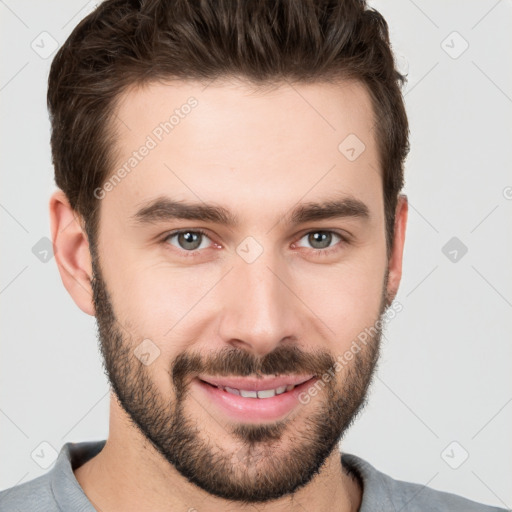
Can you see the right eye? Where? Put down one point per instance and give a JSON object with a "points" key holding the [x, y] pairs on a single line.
{"points": [[187, 240]]}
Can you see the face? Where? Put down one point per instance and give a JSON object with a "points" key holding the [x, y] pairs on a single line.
{"points": [[216, 265]]}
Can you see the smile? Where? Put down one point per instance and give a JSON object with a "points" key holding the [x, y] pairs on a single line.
{"points": [[250, 399], [264, 393]]}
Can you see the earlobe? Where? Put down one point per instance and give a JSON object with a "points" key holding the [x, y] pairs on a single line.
{"points": [[71, 248], [396, 257]]}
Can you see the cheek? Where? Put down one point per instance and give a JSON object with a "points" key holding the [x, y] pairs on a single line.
{"points": [[151, 304], [150, 296], [163, 298], [165, 305], [346, 297]]}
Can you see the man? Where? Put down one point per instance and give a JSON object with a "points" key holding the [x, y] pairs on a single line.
{"points": [[229, 210]]}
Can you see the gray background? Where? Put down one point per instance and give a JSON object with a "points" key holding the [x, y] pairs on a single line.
{"points": [[443, 390]]}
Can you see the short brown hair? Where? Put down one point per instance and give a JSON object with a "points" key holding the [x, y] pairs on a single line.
{"points": [[125, 43]]}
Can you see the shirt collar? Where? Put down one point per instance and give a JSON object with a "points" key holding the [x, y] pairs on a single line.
{"points": [[377, 492], [64, 485]]}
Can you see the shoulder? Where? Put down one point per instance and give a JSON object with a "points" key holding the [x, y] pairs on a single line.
{"points": [[382, 492], [413, 497], [33, 495], [56, 490]]}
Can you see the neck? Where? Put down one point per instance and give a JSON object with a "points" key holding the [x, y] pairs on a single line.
{"points": [[129, 474], [120, 479]]}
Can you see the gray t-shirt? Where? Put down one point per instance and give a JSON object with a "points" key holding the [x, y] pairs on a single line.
{"points": [[59, 491]]}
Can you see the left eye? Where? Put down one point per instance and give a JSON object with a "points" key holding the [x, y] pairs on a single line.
{"points": [[321, 239]]}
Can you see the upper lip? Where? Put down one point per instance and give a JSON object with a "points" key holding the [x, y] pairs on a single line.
{"points": [[254, 384]]}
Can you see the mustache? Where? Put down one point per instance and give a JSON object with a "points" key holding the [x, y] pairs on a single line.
{"points": [[233, 362]]}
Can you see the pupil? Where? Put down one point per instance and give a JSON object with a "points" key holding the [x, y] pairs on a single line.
{"points": [[321, 237], [190, 240]]}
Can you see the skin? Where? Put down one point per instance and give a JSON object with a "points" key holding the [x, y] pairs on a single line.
{"points": [[241, 149]]}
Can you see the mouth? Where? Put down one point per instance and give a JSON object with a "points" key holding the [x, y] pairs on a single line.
{"points": [[253, 400], [257, 388]]}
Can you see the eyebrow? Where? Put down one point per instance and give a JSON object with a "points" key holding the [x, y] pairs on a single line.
{"points": [[164, 208]]}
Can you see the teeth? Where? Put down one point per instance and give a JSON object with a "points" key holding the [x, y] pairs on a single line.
{"points": [[264, 393], [248, 394], [232, 390]]}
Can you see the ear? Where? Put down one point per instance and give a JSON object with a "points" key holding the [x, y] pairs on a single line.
{"points": [[396, 256], [71, 250]]}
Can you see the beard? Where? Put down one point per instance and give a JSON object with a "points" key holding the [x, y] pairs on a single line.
{"points": [[270, 460]]}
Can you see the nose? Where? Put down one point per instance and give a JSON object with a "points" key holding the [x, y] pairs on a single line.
{"points": [[260, 309]]}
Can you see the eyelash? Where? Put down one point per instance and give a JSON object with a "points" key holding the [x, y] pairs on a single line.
{"points": [[317, 252]]}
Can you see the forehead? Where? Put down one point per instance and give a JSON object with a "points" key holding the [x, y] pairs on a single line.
{"points": [[243, 145]]}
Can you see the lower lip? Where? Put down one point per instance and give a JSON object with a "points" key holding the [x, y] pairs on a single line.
{"points": [[254, 409]]}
